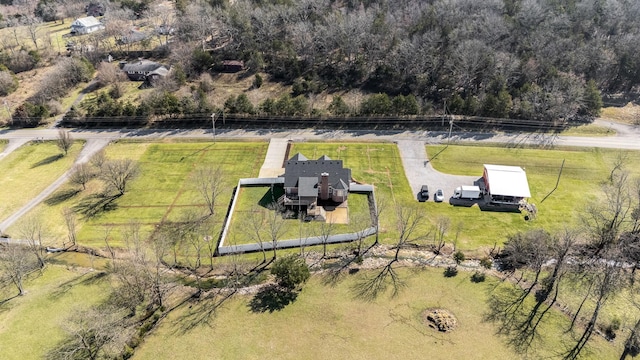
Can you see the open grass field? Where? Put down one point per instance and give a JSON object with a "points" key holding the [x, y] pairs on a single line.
{"points": [[164, 190], [29, 170], [30, 325], [329, 322], [584, 172]]}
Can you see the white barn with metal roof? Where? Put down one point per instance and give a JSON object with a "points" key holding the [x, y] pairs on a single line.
{"points": [[506, 184]]}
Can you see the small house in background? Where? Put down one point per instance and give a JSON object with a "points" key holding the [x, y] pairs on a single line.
{"points": [[132, 36], [144, 70], [86, 25], [232, 66], [506, 184], [311, 184], [94, 9]]}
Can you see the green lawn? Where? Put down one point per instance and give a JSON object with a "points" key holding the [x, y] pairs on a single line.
{"points": [[376, 164], [30, 325], [163, 189], [248, 210], [29, 170], [584, 172], [328, 322]]}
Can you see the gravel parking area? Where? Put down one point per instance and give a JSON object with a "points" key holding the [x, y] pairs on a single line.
{"points": [[419, 171]]}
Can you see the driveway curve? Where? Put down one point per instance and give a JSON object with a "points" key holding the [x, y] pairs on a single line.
{"points": [[91, 147], [419, 171]]}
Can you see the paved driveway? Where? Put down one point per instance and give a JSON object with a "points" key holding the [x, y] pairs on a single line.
{"points": [[419, 171]]}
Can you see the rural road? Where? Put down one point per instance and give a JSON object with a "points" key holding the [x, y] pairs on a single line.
{"points": [[410, 144], [628, 137]]}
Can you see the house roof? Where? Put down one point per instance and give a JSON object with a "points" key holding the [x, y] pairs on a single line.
{"points": [[296, 168], [308, 186], [162, 71], [145, 66], [341, 185], [88, 21], [298, 157], [507, 180]]}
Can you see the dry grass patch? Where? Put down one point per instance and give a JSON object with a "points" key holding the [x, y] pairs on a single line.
{"points": [[628, 114]]}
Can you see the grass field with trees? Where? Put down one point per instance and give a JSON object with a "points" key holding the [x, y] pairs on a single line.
{"points": [[36, 160]]}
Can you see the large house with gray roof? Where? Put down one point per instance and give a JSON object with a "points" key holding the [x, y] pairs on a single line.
{"points": [[144, 70], [311, 184]]}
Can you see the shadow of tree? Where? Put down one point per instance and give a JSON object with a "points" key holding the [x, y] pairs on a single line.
{"points": [[61, 196], [48, 160], [86, 279], [202, 310], [272, 298], [95, 204]]}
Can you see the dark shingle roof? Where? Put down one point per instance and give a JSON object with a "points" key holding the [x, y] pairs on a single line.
{"points": [[298, 157], [308, 186], [295, 168], [143, 66]]}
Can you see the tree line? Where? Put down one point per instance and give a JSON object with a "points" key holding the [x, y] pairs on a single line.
{"points": [[522, 59]]}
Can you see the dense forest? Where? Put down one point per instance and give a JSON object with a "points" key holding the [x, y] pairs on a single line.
{"points": [[545, 60]]}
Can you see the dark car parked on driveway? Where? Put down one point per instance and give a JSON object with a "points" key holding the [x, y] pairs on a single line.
{"points": [[423, 195]]}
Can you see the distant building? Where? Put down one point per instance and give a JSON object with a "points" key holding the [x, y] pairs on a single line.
{"points": [[506, 184], [232, 66], [144, 70], [86, 25], [132, 37], [311, 184]]}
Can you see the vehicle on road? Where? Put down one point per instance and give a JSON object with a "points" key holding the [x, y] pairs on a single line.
{"points": [[438, 196], [467, 192], [423, 195]]}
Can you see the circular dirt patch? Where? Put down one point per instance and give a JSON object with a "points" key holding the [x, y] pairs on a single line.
{"points": [[440, 319]]}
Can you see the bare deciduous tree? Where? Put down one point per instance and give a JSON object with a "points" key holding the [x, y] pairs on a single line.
{"points": [[16, 261], [326, 230], [109, 74], [408, 221], [81, 175], [442, 226], [71, 223], [94, 333], [32, 232], [98, 159], [64, 141], [210, 183], [117, 174]]}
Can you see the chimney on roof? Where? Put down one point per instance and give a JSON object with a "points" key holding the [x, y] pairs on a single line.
{"points": [[324, 186]]}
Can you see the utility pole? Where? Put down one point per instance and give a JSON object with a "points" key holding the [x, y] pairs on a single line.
{"points": [[213, 122], [450, 128]]}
